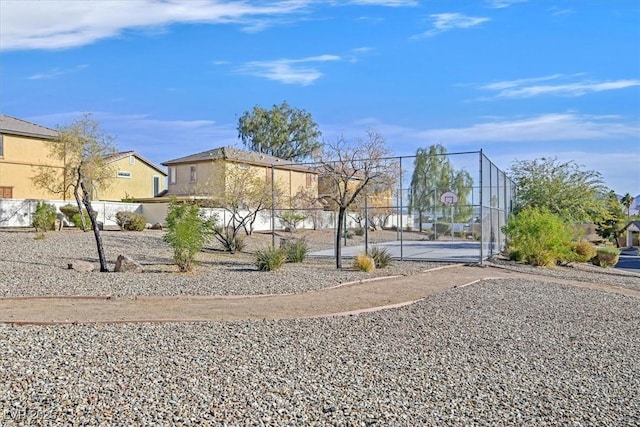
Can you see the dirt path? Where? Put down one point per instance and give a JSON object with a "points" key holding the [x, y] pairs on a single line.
{"points": [[341, 300]]}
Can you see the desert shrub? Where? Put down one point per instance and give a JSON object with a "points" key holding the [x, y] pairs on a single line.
{"points": [[270, 258], [364, 263], [77, 220], [359, 231], [381, 256], [131, 221], [442, 228], [538, 237], [291, 219], [296, 250], [583, 251], [44, 218], [69, 211], [606, 256], [187, 232]]}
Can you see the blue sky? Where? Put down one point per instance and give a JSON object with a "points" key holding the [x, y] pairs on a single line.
{"points": [[519, 79]]}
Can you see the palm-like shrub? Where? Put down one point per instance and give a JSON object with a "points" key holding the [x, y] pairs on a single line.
{"points": [[270, 258], [296, 250], [381, 256]]}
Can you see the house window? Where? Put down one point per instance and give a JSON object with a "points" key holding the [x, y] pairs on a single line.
{"points": [[172, 175], [156, 185], [124, 174], [6, 192], [193, 174], [132, 160], [1, 147]]}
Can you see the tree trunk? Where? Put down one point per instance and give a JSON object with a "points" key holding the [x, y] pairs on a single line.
{"points": [[79, 203], [341, 215], [94, 224]]}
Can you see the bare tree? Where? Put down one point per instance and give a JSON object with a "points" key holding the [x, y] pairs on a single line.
{"points": [[348, 169], [246, 194], [82, 148]]}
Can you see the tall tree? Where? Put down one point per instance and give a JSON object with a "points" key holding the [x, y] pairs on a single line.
{"points": [[434, 175], [284, 132], [82, 148], [564, 188], [627, 201], [348, 169]]}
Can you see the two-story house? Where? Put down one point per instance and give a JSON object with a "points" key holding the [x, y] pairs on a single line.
{"points": [[25, 148], [207, 173]]}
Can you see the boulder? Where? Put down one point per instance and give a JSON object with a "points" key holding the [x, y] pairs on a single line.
{"points": [[79, 265], [125, 264]]}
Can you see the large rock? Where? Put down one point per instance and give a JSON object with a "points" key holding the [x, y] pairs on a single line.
{"points": [[79, 265], [125, 264]]}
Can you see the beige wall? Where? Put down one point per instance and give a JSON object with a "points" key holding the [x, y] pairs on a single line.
{"points": [[20, 161], [138, 185], [212, 175]]}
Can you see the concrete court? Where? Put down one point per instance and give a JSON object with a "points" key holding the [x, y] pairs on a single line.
{"points": [[455, 251]]}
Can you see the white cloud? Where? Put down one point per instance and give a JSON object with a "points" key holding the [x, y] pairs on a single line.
{"points": [[546, 127], [56, 72], [29, 24], [527, 88], [288, 71], [450, 21], [501, 4], [387, 3]]}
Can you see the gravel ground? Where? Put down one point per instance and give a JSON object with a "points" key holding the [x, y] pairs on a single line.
{"points": [[39, 267], [522, 352], [500, 352]]}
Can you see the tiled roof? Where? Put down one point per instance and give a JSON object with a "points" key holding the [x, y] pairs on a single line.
{"points": [[124, 154], [11, 125], [242, 156]]}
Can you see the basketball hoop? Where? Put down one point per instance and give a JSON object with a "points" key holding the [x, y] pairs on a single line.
{"points": [[449, 198]]}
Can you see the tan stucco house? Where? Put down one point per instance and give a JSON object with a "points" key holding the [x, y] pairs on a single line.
{"points": [[204, 174], [135, 178], [24, 148]]}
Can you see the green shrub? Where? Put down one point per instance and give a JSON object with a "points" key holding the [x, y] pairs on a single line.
{"points": [[291, 219], [69, 211], [606, 256], [296, 250], [381, 256], [538, 237], [44, 218], [131, 221], [187, 232], [364, 263], [270, 258], [77, 220], [443, 228], [584, 251]]}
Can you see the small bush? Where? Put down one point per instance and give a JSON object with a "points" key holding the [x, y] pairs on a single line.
{"points": [[381, 256], [364, 263], [584, 251], [296, 250], [538, 237], [44, 218], [187, 232], [442, 228], [606, 256], [359, 231], [131, 221], [291, 219], [69, 211], [77, 220], [270, 259]]}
